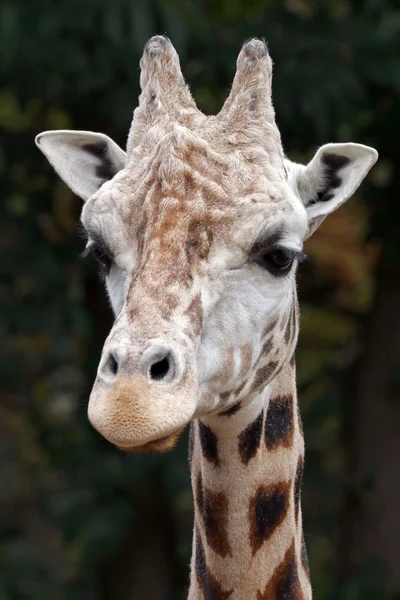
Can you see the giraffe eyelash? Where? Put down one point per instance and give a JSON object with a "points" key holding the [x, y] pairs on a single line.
{"points": [[102, 254], [278, 260]]}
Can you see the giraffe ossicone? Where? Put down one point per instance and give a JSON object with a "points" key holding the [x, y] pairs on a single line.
{"points": [[198, 228]]}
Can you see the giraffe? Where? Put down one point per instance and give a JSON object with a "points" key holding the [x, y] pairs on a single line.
{"points": [[198, 228]]}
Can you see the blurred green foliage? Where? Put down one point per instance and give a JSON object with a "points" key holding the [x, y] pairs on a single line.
{"points": [[66, 495]]}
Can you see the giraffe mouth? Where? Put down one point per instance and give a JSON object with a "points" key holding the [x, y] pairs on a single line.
{"points": [[163, 444]]}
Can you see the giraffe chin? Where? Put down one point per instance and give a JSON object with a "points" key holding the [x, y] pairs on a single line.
{"points": [[163, 444]]}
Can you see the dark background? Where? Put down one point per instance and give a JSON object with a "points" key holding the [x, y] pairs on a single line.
{"points": [[79, 519]]}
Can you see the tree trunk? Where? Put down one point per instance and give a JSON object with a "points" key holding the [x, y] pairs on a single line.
{"points": [[143, 568], [371, 520]]}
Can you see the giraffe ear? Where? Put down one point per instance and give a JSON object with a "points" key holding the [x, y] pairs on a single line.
{"points": [[330, 178], [84, 160]]}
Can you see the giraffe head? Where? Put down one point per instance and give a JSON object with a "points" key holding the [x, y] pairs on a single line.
{"points": [[198, 228]]}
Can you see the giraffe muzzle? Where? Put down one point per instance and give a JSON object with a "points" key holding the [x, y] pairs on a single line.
{"points": [[142, 400]]}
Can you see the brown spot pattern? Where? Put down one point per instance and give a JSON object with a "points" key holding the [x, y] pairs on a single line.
{"points": [[195, 314], [188, 182], [231, 410], [249, 439], [284, 583], [289, 326], [226, 369], [241, 388], [208, 584], [279, 426], [297, 487], [263, 374], [209, 443], [225, 396], [213, 507], [199, 240], [272, 323], [266, 349], [246, 353], [299, 419], [267, 510]]}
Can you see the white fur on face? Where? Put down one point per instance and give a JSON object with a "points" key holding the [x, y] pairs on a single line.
{"points": [[246, 299], [238, 296], [117, 284]]}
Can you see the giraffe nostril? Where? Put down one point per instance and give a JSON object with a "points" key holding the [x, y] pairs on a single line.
{"points": [[160, 369], [112, 364]]}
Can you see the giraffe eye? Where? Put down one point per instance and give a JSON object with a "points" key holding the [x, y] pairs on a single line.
{"points": [[103, 259], [102, 256], [278, 261]]}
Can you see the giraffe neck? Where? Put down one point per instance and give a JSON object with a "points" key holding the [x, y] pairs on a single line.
{"points": [[246, 469]]}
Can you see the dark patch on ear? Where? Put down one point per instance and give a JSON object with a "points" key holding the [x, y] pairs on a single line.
{"points": [[332, 163], [284, 583], [213, 508], [267, 510], [210, 587], [106, 170], [231, 411], [249, 439], [297, 487], [279, 424], [209, 443]]}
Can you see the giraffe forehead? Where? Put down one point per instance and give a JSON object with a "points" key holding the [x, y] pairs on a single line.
{"points": [[186, 186], [192, 182]]}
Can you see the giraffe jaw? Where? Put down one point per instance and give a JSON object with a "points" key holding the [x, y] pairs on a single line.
{"points": [[163, 444]]}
